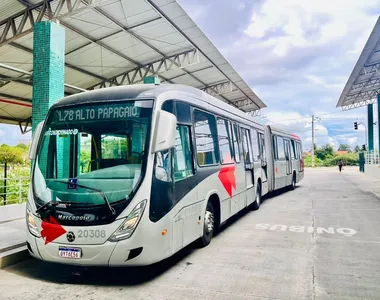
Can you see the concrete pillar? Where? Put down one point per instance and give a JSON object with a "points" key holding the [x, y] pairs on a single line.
{"points": [[370, 127], [48, 78], [48, 68]]}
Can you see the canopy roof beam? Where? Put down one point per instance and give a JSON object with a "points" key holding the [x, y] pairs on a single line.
{"points": [[156, 8], [14, 29], [29, 74], [138, 74]]}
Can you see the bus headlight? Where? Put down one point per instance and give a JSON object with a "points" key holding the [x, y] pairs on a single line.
{"points": [[30, 220], [127, 228]]}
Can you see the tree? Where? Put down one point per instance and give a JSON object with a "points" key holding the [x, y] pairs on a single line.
{"points": [[324, 152], [344, 147], [357, 149], [10, 155]]}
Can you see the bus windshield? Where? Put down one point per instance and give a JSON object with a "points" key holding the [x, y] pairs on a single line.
{"points": [[98, 145]]}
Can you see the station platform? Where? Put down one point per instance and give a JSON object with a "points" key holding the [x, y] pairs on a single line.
{"points": [[12, 234]]}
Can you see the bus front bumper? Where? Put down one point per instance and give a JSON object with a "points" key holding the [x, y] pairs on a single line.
{"points": [[110, 254]]}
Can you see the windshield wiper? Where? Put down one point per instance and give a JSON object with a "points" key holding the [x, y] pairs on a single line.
{"points": [[112, 210], [53, 203]]}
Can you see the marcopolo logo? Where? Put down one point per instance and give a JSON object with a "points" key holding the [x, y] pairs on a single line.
{"points": [[305, 229], [62, 132], [74, 218]]}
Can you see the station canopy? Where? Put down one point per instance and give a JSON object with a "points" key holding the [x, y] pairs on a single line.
{"points": [[111, 43], [363, 84]]}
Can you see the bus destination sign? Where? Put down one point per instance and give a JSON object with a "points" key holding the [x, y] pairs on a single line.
{"points": [[97, 113]]}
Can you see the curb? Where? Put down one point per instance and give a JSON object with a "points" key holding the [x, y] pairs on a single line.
{"points": [[13, 255]]}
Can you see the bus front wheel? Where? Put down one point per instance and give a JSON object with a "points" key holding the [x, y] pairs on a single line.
{"points": [[208, 226]]}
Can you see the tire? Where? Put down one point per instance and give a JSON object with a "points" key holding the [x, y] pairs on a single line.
{"points": [[256, 204], [293, 185], [208, 226]]}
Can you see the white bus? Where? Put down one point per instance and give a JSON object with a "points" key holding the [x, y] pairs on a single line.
{"points": [[128, 176]]}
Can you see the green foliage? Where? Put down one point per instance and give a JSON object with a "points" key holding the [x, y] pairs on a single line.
{"points": [[351, 159], [307, 161], [10, 155], [344, 147], [326, 157], [325, 152], [13, 184]]}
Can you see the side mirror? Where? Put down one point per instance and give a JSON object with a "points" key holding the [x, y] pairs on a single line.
{"points": [[165, 132], [35, 139]]}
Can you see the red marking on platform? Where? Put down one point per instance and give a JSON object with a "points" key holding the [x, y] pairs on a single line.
{"points": [[51, 230], [227, 176]]}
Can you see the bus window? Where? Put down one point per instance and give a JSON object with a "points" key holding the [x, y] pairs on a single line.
{"points": [[255, 145], [293, 150], [247, 147], [262, 147], [205, 138], [280, 148], [85, 153], [236, 144], [183, 155], [225, 141], [275, 152]]}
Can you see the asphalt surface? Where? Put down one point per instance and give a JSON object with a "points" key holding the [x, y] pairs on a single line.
{"points": [[328, 247]]}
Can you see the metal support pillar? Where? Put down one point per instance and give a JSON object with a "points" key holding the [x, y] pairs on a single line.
{"points": [[370, 127], [378, 122]]}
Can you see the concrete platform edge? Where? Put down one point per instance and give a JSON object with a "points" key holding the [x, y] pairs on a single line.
{"points": [[13, 256]]}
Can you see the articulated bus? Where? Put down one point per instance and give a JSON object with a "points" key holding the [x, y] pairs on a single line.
{"points": [[128, 176]]}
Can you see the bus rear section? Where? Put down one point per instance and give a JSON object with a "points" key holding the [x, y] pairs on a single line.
{"points": [[285, 159]]}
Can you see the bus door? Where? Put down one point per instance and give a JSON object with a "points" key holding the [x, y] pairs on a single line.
{"points": [[248, 166], [239, 196], [288, 157]]}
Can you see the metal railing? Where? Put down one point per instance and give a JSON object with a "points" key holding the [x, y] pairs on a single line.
{"points": [[14, 190], [372, 157]]}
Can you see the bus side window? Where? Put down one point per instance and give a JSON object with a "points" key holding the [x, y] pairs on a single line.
{"points": [[280, 148], [225, 140], [299, 146], [294, 151], [247, 148], [183, 154], [206, 138], [255, 145], [236, 143], [275, 151], [262, 147]]}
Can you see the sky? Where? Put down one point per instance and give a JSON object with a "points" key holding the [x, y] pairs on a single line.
{"points": [[296, 56]]}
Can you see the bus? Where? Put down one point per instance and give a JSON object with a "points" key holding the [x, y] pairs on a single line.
{"points": [[130, 175]]}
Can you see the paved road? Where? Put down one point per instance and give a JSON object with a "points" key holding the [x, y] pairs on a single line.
{"points": [[327, 248]]}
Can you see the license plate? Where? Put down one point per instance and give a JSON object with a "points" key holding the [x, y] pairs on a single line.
{"points": [[69, 252]]}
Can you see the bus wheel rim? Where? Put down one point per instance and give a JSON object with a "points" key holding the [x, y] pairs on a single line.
{"points": [[209, 222]]}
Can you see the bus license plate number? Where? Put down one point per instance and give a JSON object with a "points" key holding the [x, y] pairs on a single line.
{"points": [[74, 253]]}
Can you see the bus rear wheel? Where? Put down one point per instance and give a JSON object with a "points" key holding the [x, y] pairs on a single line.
{"points": [[256, 204], [293, 185], [208, 226]]}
